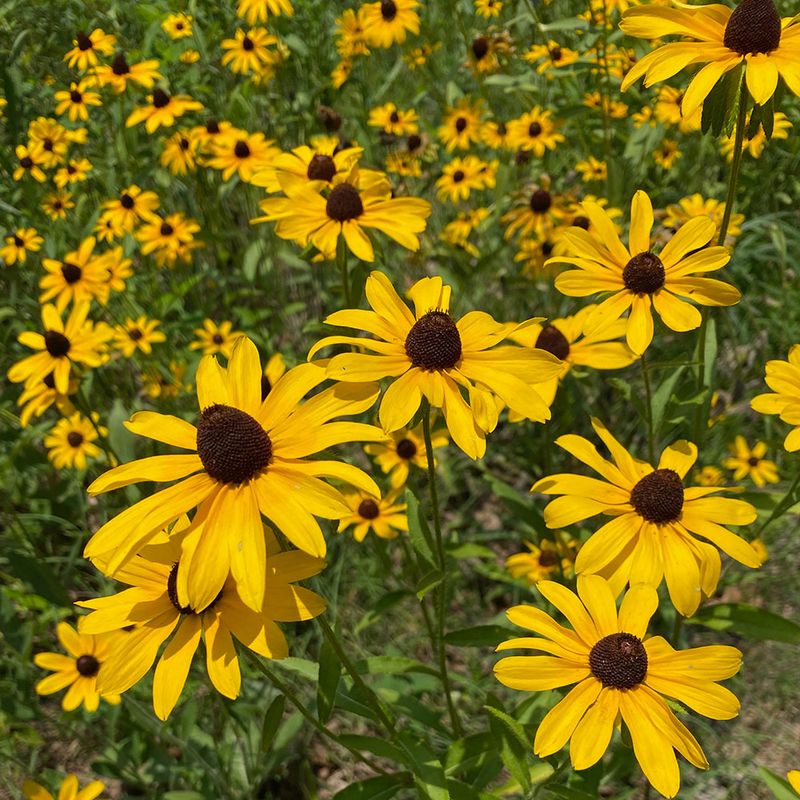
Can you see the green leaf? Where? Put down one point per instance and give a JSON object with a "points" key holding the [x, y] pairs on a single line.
{"points": [[515, 727], [722, 104], [745, 620], [38, 574], [119, 437], [393, 665], [386, 602], [661, 398], [568, 793], [182, 795], [470, 754], [378, 747], [308, 669], [479, 636], [428, 771], [778, 786], [330, 671], [418, 531], [272, 719], [710, 349], [521, 505], [427, 582], [380, 788]]}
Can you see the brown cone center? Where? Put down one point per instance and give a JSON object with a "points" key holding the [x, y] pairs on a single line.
{"points": [[658, 497], [619, 661], [753, 27], [644, 274]]}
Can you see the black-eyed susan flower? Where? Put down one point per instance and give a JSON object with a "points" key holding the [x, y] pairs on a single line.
{"points": [[403, 448], [254, 11], [213, 338], [246, 458], [638, 278], [656, 519], [87, 47], [783, 377], [19, 244], [69, 790], [462, 125], [306, 215], [389, 22], [461, 175], [177, 26], [536, 211], [38, 396], [550, 57], [488, 8], [668, 111], [241, 153], [75, 103], [137, 334], [162, 110], [394, 120], [620, 674], [384, 516], [71, 441], [749, 462], [709, 475], [417, 57], [180, 151], [29, 162], [79, 276], [494, 134], [549, 557], [752, 35], [565, 340], [117, 267], [119, 72], [484, 53], [76, 170], [754, 145], [592, 169], [695, 205], [535, 131], [457, 232], [51, 138], [667, 153], [190, 56], [428, 354], [319, 165], [248, 51], [132, 206], [56, 205], [78, 670], [161, 609], [167, 236], [78, 341], [606, 105], [350, 38]]}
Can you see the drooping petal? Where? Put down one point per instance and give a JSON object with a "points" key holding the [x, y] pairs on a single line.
{"points": [[173, 666]]}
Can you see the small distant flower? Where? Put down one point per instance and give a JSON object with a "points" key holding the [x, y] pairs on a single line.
{"points": [[488, 8], [750, 463], [668, 110], [495, 135], [137, 334], [68, 791], [177, 26], [87, 47], [401, 162], [457, 232], [461, 125], [677, 214], [75, 102], [162, 110], [273, 372], [534, 131], [168, 236], [394, 120], [384, 517], [341, 73], [190, 56], [710, 476], [56, 204], [350, 40], [78, 670], [254, 11], [241, 153], [607, 105], [403, 448], [29, 162], [644, 117], [213, 338], [592, 170], [484, 51], [132, 206], [537, 211], [667, 153], [72, 440], [180, 151], [38, 396], [462, 175], [550, 57], [80, 276], [51, 138], [388, 22], [19, 244], [75, 171], [755, 145], [158, 386], [119, 72], [117, 267], [550, 557], [248, 50], [418, 56]]}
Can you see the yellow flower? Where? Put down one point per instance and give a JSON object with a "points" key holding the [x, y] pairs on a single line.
{"points": [[246, 458], [619, 674], [610, 107], [677, 214], [72, 440], [87, 47], [320, 165], [668, 110], [37, 397], [179, 155], [306, 215], [51, 138], [488, 8], [138, 334], [133, 205], [551, 57], [76, 171], [667, 153], [751, 35], [79, 669], [709, 476], [388, 22], [177, 26], [783, 377], [29, 162], [190, 56], [535, 211], [248, 51], [350, 39], [418, 56], [259, 10], [157, 385], [747, 462], [80, 276], [428, 354], [638, 278], [655, 519], [403, 448], [244, 154], [160, 608], [461, 125], [495, 135], [383, 516], [592, 170], [162, 110], [484, 50], [534, 131], [213, 338], [457, 232], [461, 175], [68, 791], [755, 145], [167, 236], [56, 204], [793, 776], [19, 244], [394, 120], [541, 562], [119, 72], [76, 101]]}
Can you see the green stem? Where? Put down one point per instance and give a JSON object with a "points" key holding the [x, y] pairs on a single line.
{"points": [[306, 714], [441, 590], [369, 695], [677, 627], [341, 260], [648, 399]]}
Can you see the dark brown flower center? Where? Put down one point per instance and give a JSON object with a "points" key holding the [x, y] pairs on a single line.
{"points": [[552, 340], [87, 665], [555, 54], [388, 10], [458, 176], [548, 558], [644, 274], [534, 129], [172, 593], [344, 203], [184, 143], [218, 338], [160, 98], [247, 43], [321, 168], [753, 27], [413, 142], [166, 229], [47, 144], [501, 129], [49, 381], [75, 439], [368, 509], [480, 47], [119, 66], [75, 96], [18, 241], [135, 334], [406, 449], [619, 661], [56, 343], [84, 42], [71, 272], [658, 497], [212, 126], [26, 162], [461, 124], [540, 201], [581, 222], [241, 149], [394, 117], [232, 445], [126, 201], [434, 343], [753, 461]]}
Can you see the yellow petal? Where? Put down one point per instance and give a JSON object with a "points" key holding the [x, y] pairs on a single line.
{"points": [[173, 666], [593, 733]]}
